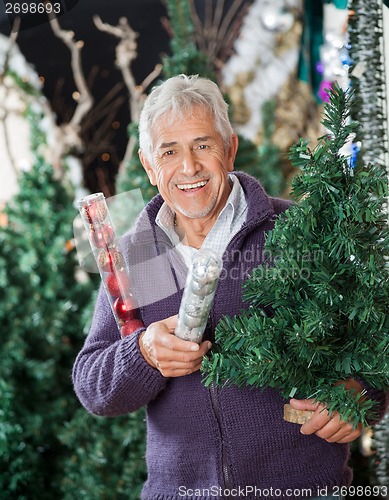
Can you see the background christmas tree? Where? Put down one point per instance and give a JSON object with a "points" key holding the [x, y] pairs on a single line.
{"points": [[185, 57], [105, 457], [42, 297], [133, 175], [329, 286]]}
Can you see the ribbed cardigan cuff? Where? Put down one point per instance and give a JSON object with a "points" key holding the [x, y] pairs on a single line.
{"points": [[135, 365], [117, 380]]}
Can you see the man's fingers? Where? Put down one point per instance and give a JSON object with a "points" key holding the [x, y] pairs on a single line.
{"points": [[171, 323], [331, 428], [187, 357], [313, 425], [174, 343], [338, 435], [317, 422], [338, 431], [352, 436], [304, 404], [162, 333], [171, 355], [178, 369]]}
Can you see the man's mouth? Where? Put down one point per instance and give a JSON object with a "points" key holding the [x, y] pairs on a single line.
{"points": [[192, 186]]}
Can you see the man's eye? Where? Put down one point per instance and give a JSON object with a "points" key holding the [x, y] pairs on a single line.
{"points": [[168, 153], [203, 146]]}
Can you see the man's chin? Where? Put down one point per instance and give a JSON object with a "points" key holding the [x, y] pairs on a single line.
{"points": [[195, 213]]}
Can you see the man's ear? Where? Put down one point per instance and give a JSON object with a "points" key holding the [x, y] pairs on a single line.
{"points": [[149, 169], [232, 152]]}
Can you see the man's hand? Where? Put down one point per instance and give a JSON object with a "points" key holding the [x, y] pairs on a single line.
{"points": [[172, 356], [332, 429]]}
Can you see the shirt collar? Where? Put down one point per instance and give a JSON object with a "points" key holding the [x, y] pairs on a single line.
{"points": [[165, 217], [235, 202]]}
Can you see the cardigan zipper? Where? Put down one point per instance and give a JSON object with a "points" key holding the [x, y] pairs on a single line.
{"points": [[225, 467]]}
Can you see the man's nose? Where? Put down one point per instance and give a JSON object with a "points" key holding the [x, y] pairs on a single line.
{"points": [[189, 164]]}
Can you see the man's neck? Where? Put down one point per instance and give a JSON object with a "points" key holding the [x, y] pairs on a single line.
{"points": [[192, 232]]}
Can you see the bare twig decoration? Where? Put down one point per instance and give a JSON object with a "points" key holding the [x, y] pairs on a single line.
{"points": [[70, 132], [126, 53]]}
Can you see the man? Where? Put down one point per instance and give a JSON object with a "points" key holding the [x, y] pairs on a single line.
{"points": [[217, 442]]}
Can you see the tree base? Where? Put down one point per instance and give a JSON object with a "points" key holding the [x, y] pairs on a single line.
{"points": [[297, 416]]}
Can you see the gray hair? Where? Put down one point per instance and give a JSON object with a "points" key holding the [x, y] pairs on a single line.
{"points": [[179, 94]]}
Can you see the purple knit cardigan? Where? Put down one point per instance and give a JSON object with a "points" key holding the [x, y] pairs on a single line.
{"points": [[201, 441]]}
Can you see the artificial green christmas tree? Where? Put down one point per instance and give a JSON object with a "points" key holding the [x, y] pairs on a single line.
{"points": [[328, 288]]}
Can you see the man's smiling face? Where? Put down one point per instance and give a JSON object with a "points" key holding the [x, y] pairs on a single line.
{"points": [[191, 164]]}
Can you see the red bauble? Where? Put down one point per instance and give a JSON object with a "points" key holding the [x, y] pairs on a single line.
{"points": [[103, 236], [124, 309], [131, 326], [111, 259], [96, 212], [117, 284]]}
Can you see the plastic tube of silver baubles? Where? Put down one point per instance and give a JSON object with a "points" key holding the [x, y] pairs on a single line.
{"points": [[198, 295]]}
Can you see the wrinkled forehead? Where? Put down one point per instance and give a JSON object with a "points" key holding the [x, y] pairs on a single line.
{"points": [[183, 115]]}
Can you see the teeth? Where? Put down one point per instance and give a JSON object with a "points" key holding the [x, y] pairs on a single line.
{"points": [[192, 186]]}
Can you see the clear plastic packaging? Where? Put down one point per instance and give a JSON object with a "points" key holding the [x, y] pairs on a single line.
{"points": [[110, 262], [198, 295]]}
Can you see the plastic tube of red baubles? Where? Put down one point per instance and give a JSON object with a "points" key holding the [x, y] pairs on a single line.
{"points": [[110, 262], [198, 295]]}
